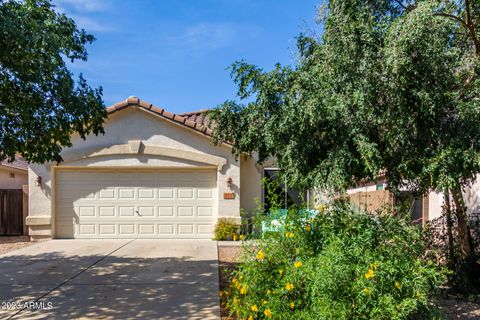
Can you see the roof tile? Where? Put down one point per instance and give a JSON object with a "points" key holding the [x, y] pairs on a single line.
{"points": [[194, 120]]}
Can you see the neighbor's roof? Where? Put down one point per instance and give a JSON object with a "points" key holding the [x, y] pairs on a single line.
{"points": [[19, 163], [190, 120]]}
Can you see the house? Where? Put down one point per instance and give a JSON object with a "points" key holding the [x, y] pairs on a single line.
{"points": [[13, 175], [153, 174], [372, 195]]}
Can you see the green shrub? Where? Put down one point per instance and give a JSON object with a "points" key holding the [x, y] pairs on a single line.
{"points": [[226, 229], [338, 265]]}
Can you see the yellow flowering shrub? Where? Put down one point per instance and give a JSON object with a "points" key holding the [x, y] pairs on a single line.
{"points": [[346, 265], [227, 229]]}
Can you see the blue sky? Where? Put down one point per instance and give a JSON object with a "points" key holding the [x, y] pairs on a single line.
{"points": [[174, 54]]}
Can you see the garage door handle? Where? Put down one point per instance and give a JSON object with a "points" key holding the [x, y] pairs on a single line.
{"points": [[136, 211]]}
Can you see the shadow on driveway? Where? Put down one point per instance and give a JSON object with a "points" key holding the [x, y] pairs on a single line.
{"points": [[134, 279]]}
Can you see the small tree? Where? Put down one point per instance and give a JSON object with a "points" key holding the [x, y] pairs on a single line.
{"points": [[40, 103]]}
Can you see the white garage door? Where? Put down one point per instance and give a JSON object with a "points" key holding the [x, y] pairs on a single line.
{"points": [[135, 204]]}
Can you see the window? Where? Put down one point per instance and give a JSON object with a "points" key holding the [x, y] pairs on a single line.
{"points": [[12, 175], [380, 186], [277, 194]]}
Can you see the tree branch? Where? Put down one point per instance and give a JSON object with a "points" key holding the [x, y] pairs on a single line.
{"points": [[471, 28], [457, 18]]}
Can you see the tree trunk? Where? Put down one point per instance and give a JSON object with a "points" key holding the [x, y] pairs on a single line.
{"points": [[450, 244], [462, 227]]}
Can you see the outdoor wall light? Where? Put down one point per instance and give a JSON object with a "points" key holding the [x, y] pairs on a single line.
{"points": [[229, 182], [38, 181]]}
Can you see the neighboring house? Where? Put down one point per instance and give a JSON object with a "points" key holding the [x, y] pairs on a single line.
{"points": [[153, 174], [13, 175], [374, 194], [13, 197]]}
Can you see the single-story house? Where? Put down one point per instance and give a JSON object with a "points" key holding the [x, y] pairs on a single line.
{"points": [[372, 195], [153, 174], [13, 175]]}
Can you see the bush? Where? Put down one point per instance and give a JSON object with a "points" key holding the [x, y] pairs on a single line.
{"points": [[227, 229], [337, 265]]}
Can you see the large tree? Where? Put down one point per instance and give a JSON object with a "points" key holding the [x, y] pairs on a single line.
{"points": [[390, 85], [41, 105]]}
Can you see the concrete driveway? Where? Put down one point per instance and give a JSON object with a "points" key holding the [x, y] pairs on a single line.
{"points": [[111, 279]]}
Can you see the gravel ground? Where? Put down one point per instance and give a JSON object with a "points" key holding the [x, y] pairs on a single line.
{"points": [[452, 308], [10, 243], [456, 309]]}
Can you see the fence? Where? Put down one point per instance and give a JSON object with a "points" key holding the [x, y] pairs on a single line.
{"points": [[12, 213]]}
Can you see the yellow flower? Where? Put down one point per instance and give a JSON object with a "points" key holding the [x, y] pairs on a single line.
{"points": [[242, 237], [374, 266], [398, 285], [235, 283], [321, 208], [289, 286], [290, 235], [250, 317], [254, 308], [269, 291], [267, 313], [367, 291], [243, 290], [264, 301], [370, 274], [298, 264], [292, 305], [235, 237], [280, 271], [308, 228], [260, 255]]}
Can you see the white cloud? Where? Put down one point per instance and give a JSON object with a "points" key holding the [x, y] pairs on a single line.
{"points": [[83, 11], [90, 24], [84, 5], [207, 36]]}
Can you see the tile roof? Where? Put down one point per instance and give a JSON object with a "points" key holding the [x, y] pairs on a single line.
{"points": [[198, 116], [19, 163], [186, 119]]}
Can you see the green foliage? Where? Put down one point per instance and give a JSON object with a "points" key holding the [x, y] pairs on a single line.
{"points": [[41, 104], [226, 229], [390, 85], [338, 265]]}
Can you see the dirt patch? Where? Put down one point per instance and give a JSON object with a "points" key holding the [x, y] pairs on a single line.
{"points": [[11, 243], [458, 309], [227, 262]]}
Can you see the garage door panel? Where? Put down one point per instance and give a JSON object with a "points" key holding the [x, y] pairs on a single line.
{"points": [[146, 193], [133, 204], [166, 211], [124, 211], [183, 211]]}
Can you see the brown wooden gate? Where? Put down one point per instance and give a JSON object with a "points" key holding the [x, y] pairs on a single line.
{"points": [[11, 212]]}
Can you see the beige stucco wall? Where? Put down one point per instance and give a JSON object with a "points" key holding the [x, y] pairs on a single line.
{"points": [[435, 205], [251, 182], [120, 128], [7, 182]]}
